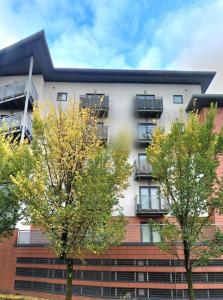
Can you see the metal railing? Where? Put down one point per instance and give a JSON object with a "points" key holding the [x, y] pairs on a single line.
{"points": [[15, 122], [142, 168], [144, 102], [31, 237], [134, 234], [151, 204], [95, 101], [15, 90], [102, 132], [145, 133]]}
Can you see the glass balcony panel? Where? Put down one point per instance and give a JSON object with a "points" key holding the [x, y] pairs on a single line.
{"points": [[164, 204], [144, 202], [143, 166], [155, 202], [145, 132], [20, 88], [102, 132], [15, 123], [17, 89], [12, 121], [148, 106], [16, 120], [9, 91], [94, 101]]}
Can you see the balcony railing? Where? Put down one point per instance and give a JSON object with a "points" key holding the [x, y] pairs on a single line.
{"points": [[98, 102], [134, 233], [102, 133], [148, 106], [31, 237], [142, 170], [145, 134], [13, 95], [14, 124], [150, 205]]}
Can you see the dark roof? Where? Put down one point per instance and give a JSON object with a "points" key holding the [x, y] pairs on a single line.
{"points": [[14, 60], [199, 101]]}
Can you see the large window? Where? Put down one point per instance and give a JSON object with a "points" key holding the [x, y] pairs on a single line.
{"points": [[149, 235], [61, 96], [149, 198], [177, 99]]}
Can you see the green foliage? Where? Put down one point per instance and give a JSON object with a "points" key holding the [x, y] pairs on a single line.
{"points": [[75, 184], [184, 161], [13, 158]]}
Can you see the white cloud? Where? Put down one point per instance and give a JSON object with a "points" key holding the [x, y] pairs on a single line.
{"points": [[152, 60], [107, 36], [191, 39]]}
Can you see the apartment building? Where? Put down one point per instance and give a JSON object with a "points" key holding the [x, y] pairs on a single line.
{"points": [[135, 101]]}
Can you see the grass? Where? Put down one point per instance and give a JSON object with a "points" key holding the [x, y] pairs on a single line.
{"points": [[18, 297]]}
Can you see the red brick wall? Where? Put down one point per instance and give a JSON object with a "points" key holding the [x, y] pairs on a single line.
{"points": [[218, 219], [9, 253], [7, 263]]}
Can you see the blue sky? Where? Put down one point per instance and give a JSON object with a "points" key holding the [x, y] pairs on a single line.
{"points": [[139, 34]]}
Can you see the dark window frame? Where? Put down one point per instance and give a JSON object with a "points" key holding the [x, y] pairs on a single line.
{"points": [[150, 187], [177, 102], [61, 93], [151, 233]]}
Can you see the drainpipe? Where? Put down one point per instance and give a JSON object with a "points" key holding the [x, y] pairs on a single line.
{"points": [[28, 91]]}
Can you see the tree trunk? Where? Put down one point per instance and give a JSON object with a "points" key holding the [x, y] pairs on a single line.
{"points": [[188, 268], [190, 284], [69, 278]]}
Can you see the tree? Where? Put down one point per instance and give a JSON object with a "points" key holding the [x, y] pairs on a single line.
{"points": [[75, 184], [184, 161], [12, 160]]}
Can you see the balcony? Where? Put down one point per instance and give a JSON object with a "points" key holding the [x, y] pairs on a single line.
{"points": [[150, 205], [97, 102], [102, 133], [14, 123], [142, 170], [12, 96], [31, 237], [148, 106], [144, 135]]}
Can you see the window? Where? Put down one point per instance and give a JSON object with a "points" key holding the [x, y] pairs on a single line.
{"points": [[177, 99], [148, 235], [145, 131], [141, 276], [141, 292], [141, 156], [61, 96], [149, 198]]}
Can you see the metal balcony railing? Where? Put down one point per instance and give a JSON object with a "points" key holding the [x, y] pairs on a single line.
{"points": [[102, 133], [142, 170], [145, 134], [148, 106], [152, 205], [97, 102], [31, 237], [15, 91], [134, 233], [14, 123]]}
